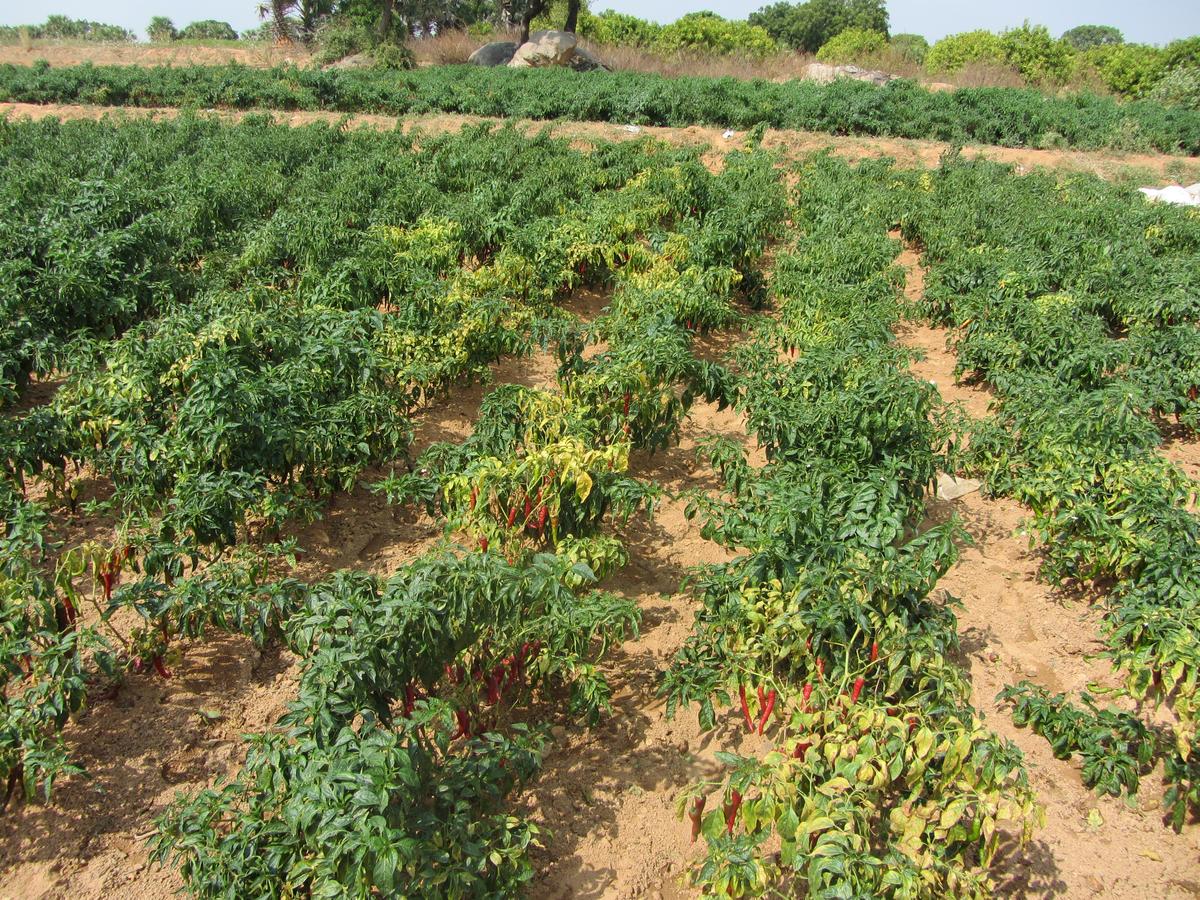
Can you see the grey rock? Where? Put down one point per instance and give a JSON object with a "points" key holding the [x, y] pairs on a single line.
{"points": [[825, 73], [497, 53], [353, 61], [951, 488]]}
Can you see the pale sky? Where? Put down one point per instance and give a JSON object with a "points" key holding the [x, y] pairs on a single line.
{"points": [[1150, 21]]}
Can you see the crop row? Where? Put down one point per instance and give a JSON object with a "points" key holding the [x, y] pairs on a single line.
{"points": [[1079, 305], [880, 779], [1003, 116]]}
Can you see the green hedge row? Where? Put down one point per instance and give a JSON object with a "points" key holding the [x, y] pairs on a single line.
{"points": [[1002, 116]]}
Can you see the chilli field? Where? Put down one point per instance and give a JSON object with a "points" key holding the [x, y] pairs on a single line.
{"points": [[651, 589]]}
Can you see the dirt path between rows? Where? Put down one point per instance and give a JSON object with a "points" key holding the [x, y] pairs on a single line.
{"points": [[1014, 626], [791, 145]]}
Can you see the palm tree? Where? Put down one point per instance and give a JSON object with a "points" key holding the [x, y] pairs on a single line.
{"points": [[308, 12]]}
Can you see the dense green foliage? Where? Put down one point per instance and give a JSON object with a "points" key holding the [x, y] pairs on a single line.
{"points": [[62, 28], [852, 45], [702, 32], [810, 25], [1179, 87], [1085, 37], [910, 47], [954, 51], [901, 109], [208, 30], [161, 30]]}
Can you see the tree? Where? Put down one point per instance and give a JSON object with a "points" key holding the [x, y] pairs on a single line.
{"points": [[809, 26], [1085, 37], [208, 30], [912, 47], [161, 30], [292, 19]]}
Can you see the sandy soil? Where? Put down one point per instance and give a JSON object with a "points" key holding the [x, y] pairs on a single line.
{"points": [[791, 145]]}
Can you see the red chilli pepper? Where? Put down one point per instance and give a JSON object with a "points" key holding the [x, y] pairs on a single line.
{"points": [[696, 815], [493, 689], [474, 497], [464, 724], [807, 694], [483, 544], [762, 722], [858, 686], [625, 408], [410, 700], [731, 811], [69, 609], [160, 667], [745, 707], [512, 516], [874, 650], [542, 519]]}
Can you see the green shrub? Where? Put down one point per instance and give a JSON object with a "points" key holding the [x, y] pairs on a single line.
{"points": [[1130, 70], [62, 28], [1037, 56], [611, 27], [161, 30], [911, 47], [392, 56], [852, 45], [1085, 37], [1183, 54], [954, 51], [208, 30], [1179, 87], [809, 26], [340, 39], [709, 32]]}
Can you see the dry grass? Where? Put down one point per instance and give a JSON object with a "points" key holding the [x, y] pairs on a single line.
{"points": [[449, 48], [777, 67]]}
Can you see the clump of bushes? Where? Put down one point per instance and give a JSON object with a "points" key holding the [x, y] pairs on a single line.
{"points": [[1179, 87], [701, 31], [852, 45], [63, 28], [208, 30], [340, 38]]}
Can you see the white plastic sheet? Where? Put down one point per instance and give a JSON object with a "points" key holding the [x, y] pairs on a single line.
{"points": [[1180, 196]]}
